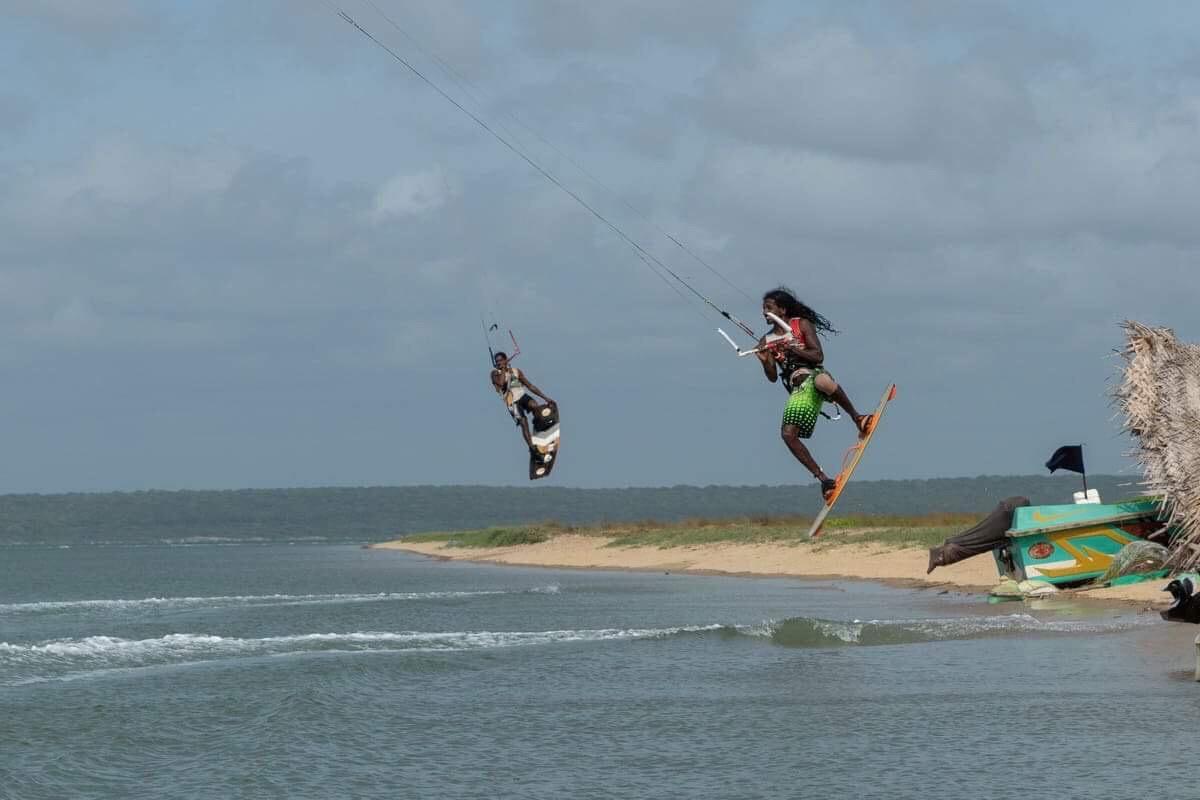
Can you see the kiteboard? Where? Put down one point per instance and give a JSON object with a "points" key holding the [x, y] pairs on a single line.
{"points": [[853, 456], [545, 437]]}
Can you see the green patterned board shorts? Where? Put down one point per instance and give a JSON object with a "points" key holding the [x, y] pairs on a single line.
{"points": [[803, 406]]}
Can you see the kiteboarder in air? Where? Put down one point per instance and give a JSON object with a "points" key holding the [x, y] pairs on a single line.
{"points": [[794, 354], [517, 391]]}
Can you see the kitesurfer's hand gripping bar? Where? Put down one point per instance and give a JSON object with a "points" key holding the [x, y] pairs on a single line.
{"points": [[774, 318]]}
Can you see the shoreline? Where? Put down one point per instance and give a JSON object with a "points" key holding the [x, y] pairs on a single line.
{"points": [[903, 567]]}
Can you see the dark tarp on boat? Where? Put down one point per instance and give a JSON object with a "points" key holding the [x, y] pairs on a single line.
{"points": [[984, 537]]}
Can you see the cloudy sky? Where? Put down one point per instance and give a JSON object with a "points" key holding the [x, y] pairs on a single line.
{"points": [[242, 246]]}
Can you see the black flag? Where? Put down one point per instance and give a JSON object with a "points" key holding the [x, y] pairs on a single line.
{"points": [[1068, 457]]}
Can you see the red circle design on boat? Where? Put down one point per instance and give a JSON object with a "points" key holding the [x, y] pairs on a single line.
{"points": [[1041, 550]]}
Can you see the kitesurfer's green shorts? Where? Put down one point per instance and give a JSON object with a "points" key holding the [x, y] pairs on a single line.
{"points": [[803, 406]]}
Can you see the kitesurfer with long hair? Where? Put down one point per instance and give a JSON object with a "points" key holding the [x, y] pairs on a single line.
{"points": [[517, 390], [794, 355]]}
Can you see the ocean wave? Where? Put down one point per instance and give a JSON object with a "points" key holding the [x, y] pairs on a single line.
{"points": [[71, 658], [215, 540], [117, 649], [59, 659], [218, 601], [814, 632]]}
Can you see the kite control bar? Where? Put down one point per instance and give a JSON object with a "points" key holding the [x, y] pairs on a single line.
{"points": [[487, 335], [774, 318]]}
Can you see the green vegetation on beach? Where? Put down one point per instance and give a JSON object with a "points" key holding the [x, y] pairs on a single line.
{"points": [[489, 537], [881, 529]]}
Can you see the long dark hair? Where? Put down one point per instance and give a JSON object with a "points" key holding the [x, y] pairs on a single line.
{"points": [[785, 299]]}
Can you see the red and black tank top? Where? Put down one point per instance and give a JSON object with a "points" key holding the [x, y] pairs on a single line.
{"points": [[782, 344]]}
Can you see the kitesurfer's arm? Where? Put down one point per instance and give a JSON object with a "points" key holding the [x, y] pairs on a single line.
{"points": [[768, 361], [497, 381], [808, 345], [529, 385]]}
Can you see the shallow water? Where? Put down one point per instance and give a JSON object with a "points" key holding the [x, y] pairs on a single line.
{"points": [[332, 671]]}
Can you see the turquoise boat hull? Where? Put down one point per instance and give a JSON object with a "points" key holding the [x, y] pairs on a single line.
{"points": [[1071, 544]]}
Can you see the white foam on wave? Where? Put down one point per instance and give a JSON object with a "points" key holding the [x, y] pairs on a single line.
{"points": [[110, 646], [251, 600], [215, 540], [104, 646], [59, 658]]}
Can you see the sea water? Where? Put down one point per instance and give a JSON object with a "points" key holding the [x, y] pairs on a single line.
{"points": [[332, 671]]}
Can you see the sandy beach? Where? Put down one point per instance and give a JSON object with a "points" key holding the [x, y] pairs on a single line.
{"points": [[824, 560]]}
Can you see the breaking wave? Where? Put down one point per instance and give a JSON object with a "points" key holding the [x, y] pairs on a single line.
{"points": [[820, 633], [74, 658], [812, 632], [65, 659]]}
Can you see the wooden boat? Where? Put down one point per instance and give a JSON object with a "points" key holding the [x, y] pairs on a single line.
{"points": [[1071, 544]]}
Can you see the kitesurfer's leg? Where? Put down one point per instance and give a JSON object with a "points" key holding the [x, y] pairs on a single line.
{"points": [[527, 405], [518, 414], [791, 437], [827, 386], [799, 421], [523, 424]]}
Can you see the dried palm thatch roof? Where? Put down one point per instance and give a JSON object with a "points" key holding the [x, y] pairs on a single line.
{"points": [[1160, 398]]}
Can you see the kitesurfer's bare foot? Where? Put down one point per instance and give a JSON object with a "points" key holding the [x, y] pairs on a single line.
{"points": [[864, 423]]}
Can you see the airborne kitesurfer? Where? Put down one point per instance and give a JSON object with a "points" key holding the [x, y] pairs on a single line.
{"points": [[794, 355], [517, 391]]}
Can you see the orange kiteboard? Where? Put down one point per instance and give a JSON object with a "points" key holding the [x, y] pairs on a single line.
{"points": [[853, 456]]}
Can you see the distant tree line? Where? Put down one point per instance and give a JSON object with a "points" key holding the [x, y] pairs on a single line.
{"points": [[380, 513]]}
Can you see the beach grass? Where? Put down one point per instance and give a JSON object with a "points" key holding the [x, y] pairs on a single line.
{"points": [[487, 537], [885, 530]]}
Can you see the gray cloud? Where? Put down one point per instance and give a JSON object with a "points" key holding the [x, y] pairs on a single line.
{"points": [[583, 109], [830, 91], [16, 113], [102, 24], [1080, 156], [575, 26], [454, 33], [128, 243]]}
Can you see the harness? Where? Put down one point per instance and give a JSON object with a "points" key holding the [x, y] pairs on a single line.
{"points": [[514, 391], [790, 364], [513, 382], [793, 370]]}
